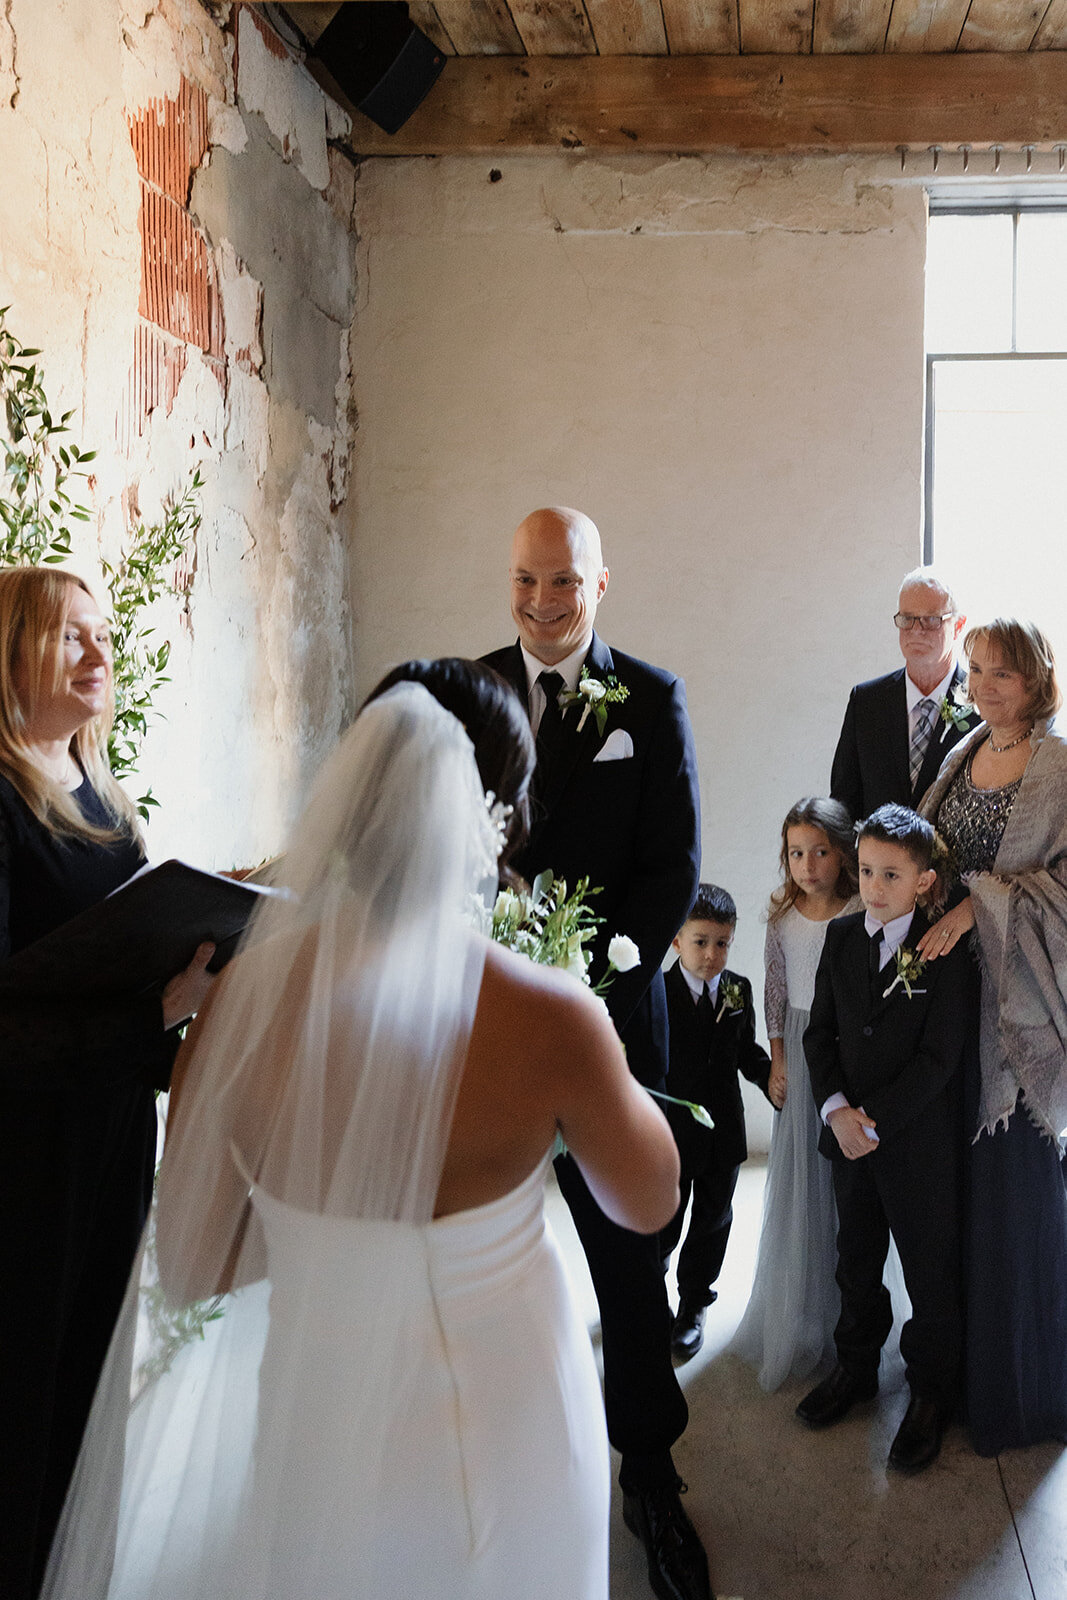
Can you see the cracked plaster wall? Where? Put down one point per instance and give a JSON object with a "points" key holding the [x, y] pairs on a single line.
{"points": [[261, 673], [720, 360]]}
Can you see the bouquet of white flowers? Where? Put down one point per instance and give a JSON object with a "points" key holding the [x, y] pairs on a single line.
{"points": [[554, 928]]}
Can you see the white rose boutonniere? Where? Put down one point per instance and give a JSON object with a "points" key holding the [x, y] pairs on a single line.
{"points": [[910, 968], [731, 998], [593, 696], [955, 711]]}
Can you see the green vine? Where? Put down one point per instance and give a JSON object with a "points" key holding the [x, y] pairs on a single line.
{"points": [[37, 510]]}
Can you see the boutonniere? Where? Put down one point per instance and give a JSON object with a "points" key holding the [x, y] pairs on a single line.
{"points": [[910, 968], [955, 711], [593, 696], [731, 998]]}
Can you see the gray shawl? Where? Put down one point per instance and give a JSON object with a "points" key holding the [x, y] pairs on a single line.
{"points": [[1020, 913]]}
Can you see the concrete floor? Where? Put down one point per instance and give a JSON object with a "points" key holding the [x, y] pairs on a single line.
{"points": [[787, 1514]]}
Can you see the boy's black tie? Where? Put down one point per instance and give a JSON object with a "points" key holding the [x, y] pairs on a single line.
{"points": [[874, 956], [705, 1006]]}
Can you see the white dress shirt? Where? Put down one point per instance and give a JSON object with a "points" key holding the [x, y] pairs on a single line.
{"points": [[569, 670]]}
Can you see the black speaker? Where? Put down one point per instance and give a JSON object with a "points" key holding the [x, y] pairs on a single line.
{"points": [[379, 60]]}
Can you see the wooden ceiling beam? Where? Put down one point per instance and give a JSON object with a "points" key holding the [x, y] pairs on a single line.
{"points": [[773, 104]]}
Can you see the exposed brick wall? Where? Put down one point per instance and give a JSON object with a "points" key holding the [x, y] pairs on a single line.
{"points": [[179, 301]]}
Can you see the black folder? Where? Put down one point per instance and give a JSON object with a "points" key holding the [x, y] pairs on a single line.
{"points": [[140, 936]]}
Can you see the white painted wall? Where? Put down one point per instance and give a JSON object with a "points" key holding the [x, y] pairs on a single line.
{"points": [[722, 362]]}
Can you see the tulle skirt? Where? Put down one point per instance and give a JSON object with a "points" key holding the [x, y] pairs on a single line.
{"points": [[787, 1328]]}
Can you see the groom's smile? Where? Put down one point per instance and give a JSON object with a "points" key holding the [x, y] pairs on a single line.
{"points": [[557, 582]]}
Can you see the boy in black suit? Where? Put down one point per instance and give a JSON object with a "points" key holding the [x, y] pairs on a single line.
{"points": [[884, 1047], [712, 1038]]}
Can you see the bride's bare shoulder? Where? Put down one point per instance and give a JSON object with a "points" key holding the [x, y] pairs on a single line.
{"points": [[522, 991]]}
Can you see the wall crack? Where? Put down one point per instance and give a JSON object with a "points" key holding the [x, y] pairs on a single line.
{"points": [[9, 73]]}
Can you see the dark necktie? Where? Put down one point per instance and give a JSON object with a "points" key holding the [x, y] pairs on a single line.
{"points": [[874, 956], [706, 1007], [550, 728]]}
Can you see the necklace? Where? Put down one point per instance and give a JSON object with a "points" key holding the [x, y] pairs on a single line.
{"points": [[999, 749]]}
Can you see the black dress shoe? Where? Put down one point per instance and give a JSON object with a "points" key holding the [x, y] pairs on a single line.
{"points": [[687, 1334], [918, 1439], [677, 1565], [834, 1396]]}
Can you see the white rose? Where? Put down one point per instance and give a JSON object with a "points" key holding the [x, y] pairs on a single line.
{"points": [[623, 953]]}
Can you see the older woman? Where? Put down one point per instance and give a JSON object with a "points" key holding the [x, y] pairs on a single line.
{"points": [[1000, 801], [77, 1107]]}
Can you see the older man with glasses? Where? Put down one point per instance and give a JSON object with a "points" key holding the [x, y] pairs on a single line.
{"points": [[899, 728]]}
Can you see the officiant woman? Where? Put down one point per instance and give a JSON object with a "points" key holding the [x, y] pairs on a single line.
{"points": [[77, 1077]]}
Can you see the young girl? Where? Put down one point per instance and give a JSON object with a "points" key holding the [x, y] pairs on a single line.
{"points": [[788, 1325]]}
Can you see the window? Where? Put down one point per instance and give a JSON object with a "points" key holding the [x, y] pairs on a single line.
{"points": [[996, 412]]}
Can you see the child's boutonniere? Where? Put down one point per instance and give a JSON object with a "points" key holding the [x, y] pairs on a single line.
{"points": [[955, 711], [910, 968], [731, 998], [593, 696]]}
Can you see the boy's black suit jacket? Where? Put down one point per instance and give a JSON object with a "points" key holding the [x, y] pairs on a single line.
{"points": [[632, 827], [892, 1056], [705, 1060], [870, 766]]}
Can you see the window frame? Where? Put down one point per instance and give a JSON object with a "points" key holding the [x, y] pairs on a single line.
{"points": [[1015, 210]]}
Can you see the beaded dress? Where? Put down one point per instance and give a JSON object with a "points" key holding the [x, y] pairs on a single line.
{"points": [[1015, 1230]]}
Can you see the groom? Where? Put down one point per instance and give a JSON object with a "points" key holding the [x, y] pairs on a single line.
{"points": [[620, 807]]}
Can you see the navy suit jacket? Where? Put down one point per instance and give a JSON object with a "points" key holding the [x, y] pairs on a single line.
{"points": [[870, 766], [894, 1055], [706, 1056], [632, 827]]}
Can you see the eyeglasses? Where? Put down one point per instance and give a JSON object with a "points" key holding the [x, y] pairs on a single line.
{"points": [[906, 621]]}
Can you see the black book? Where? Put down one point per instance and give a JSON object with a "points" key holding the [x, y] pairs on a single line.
{"points": [[140, 936]]}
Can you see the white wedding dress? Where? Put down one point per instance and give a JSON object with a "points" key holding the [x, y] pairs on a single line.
{"points": [[391, 1406], [492, 1471]]}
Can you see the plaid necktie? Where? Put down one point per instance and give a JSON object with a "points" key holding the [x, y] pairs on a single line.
{"points": [[922, 722]]}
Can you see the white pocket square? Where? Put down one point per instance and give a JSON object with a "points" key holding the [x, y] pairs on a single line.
{"points": [[618, 746]]}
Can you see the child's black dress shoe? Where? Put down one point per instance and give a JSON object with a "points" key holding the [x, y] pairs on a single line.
{"points": [[834, 1396], [687, 1334], [918, 1439]]}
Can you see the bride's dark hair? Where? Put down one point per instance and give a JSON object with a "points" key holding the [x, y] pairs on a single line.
{"points": [[496, 724]]}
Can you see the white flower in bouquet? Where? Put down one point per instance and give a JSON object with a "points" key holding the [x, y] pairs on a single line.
{"points": [[623, 954]]}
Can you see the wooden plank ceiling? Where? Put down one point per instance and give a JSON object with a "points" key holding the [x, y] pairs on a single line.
{"points": [[701, 75]]}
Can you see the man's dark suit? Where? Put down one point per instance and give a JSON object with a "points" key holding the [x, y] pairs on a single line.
{"points": [[870, 766], [708, 1050], [899, 1060], [632, 828]]}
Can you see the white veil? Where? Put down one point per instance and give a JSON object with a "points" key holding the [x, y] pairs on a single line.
{"points": [[325, 1074]]}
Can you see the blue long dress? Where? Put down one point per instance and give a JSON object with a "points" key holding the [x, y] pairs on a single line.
{"points": [[1015, 1231]]}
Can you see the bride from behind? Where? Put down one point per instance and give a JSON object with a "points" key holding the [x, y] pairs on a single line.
{"points": [[400, 1399]]}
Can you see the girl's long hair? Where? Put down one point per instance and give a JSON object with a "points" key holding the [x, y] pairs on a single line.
{"points": [[831, 818]]}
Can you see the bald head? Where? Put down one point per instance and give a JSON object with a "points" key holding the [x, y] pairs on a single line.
{"points": [[558, 579]]}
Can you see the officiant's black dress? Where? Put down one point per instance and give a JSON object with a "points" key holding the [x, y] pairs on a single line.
{"points": [[77, 1148]]}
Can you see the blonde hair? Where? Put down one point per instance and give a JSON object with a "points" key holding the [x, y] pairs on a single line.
{"points": [[1023, 649], [831, 818], [33, 604]]}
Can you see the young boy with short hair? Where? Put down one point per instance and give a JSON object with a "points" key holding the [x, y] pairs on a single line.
{"points": [[884, 1048], [712, 1039]]}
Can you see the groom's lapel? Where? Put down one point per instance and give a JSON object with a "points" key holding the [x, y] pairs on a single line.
{"points": [[575, 747], [513, 667]]}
